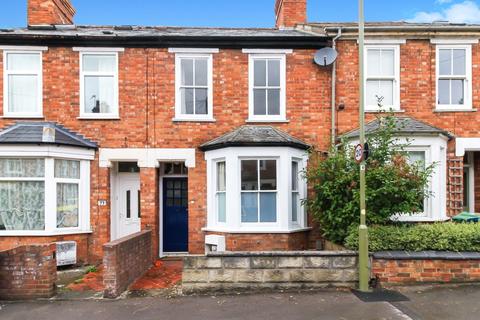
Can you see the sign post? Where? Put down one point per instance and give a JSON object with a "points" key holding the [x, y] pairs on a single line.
{"points": [[364, 275]]}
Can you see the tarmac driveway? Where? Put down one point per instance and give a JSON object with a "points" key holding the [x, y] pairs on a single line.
{"points": [[452, 302]]}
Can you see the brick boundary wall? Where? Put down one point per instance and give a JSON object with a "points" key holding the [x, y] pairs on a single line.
{"points": [[28, 272], [406, 268], [124, 261], [269, 270]]}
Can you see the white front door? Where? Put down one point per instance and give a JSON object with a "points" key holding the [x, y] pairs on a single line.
{"points": [[128, 205]]}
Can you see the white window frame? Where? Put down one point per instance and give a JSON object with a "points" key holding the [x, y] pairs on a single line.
{"points": [[283, 87], [395, 78], [50, 153], [258, 223], [38, 73], [232, 157], [179, 116], [216, 162], [470, 166], [296, 191], [468, 77], [116, 113]]}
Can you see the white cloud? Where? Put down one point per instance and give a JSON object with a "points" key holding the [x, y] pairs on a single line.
{"points": [[465, 12], [443, 1]]}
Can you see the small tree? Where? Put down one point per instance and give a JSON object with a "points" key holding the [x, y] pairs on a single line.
{"points": [[394, 184]]}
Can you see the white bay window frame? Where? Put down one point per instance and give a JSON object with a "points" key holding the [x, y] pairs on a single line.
{"points": [[115, 114], [49, 154], [233, 157], [395, 78], [252, 117], [467, 78], [179, 116], [33, 72]]}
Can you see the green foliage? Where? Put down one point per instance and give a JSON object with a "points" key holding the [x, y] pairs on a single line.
{"points": [[393, 185], [420, 237], [91, 269]]}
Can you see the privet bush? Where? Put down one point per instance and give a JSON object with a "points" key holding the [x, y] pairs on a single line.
{"points": [[420, 237], [393, 185]]}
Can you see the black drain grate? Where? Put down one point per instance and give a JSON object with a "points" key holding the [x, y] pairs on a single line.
{"points": [[380, 295]]}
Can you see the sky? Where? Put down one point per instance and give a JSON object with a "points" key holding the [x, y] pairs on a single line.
{"points": [[246, 13]]}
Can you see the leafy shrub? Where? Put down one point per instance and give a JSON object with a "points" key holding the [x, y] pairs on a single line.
{"points": [[393, 184], [420, 237]]}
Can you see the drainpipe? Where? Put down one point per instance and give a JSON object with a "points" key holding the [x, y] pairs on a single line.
{"points": [[334, 88]]}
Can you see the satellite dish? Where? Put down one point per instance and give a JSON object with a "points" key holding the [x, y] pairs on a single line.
{"points": [[325, 57]]}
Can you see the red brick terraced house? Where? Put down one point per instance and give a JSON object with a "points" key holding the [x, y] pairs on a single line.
{"points": [[189, 132], [199, 133]]}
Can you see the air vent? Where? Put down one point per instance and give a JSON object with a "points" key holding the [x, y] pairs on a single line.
{"points": [[123, 28], [107, 32], [42, 27], [66, 253]]}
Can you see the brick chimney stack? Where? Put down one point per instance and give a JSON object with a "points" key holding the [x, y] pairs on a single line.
{"points": [[50, 12], [289, 13]]}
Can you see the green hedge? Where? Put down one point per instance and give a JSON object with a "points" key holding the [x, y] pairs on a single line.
{"points": [[419, 237]]}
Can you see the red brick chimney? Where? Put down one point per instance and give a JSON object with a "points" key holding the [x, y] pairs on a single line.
{"points": [[289, 13], [48, 12]]}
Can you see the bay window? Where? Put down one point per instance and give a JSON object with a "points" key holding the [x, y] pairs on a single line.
{"points": [[43, 196], [22, 83], [454, 65], [99, 84], [382, 77], [252, 189]]}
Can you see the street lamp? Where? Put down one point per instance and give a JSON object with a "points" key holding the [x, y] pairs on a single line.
{"points": [[364, 275]]}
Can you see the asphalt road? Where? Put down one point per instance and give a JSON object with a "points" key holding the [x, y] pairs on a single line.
{"points": [[459, 302]]}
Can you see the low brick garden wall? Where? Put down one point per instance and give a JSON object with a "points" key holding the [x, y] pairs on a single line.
{"points": [[28, 272], [124, 261], [404, 268], [266, 270]]}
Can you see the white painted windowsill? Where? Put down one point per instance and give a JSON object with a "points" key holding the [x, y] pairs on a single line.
{"points": [[455, 110], [99, 118], [267, 121], [40, 233], [245, 230], [176, 119]]}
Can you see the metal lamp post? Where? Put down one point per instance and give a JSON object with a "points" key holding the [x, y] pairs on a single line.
{"points": [[363, 231]]}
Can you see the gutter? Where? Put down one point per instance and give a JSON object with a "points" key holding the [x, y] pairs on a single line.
{"points": [[429, 28]]}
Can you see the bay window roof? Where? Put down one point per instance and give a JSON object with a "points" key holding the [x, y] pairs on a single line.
{"points": [[43, 133], [255, 136], [404, 126]]}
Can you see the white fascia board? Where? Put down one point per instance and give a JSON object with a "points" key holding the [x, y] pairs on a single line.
{"points": [[147, 157], [24, 48], [46, 151], [466, 144], [454, 41], [193, 50], [97, 49], [268, 51]]}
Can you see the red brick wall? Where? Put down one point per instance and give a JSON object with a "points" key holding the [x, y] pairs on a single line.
{"points": [[146, 121], [266, 242], [401, 272], [289, 13], [125, 260], [28, 272], [50, 12]]}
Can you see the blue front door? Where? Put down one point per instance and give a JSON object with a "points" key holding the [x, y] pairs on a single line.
{"points": [[175, 215]]}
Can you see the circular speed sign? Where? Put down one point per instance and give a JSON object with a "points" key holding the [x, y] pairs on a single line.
{"points": [[359, 153]]}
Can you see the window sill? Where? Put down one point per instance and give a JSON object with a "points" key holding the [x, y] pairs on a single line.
{"points": [[21, 117], [99, 118], [42, 233], [267, 121], [245, 230], [454, 110], [194, 120]]}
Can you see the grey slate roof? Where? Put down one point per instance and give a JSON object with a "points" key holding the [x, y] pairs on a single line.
{"points": [[404, 125], [255, 136], [32, 133]]}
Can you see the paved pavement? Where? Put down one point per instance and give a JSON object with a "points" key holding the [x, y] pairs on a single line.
{"points": [[453, 302]]}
